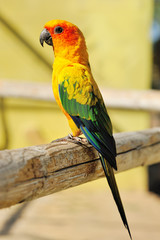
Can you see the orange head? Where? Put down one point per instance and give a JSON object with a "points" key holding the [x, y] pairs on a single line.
{"points": [[67, 40]]}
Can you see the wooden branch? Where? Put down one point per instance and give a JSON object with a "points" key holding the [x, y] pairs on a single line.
{"points": [[37, 171], [26, 90], [147, 100]]}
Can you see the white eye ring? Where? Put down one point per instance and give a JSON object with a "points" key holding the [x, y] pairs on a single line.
{"points": [[58, 30]]}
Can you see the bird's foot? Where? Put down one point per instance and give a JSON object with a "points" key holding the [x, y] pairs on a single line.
{"points": [[71, 137], [77, 140], [85, 140]]}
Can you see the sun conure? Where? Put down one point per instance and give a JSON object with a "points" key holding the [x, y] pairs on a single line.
{"points": [[79, 97]]}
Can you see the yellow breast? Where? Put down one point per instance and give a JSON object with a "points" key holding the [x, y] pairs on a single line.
{"points": [[58, 66]]}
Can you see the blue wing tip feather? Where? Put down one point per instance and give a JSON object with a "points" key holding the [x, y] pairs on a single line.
{"points": [[99, 147]]}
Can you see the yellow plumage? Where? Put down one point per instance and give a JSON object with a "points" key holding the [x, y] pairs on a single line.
{"points": [[79, 98]]}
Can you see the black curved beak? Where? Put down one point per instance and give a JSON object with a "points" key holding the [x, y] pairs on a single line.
{"points": [[45, 36]]}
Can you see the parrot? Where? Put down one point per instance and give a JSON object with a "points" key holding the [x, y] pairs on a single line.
{"points": [[80, 99]]}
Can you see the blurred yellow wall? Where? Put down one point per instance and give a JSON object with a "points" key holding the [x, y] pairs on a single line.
{"points": [[118, 40]]}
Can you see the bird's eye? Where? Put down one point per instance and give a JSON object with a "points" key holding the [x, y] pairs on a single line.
{"points": [[58, 30]]}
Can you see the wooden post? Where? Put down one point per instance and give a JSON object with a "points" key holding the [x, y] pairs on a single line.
{"points": [[146, 100], [37, 171]]}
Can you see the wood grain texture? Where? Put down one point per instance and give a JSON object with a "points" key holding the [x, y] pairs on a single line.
{"points": [[147, 100], [37, 171]]}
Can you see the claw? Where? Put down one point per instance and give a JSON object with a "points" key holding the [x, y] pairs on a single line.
{"points": [[77, 140], [70, 136]]}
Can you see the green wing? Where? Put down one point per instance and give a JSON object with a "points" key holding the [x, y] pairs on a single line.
{"points": [[82, 100]]}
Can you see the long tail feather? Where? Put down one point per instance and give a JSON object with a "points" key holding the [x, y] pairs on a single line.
{"points": [[108, 170]]}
